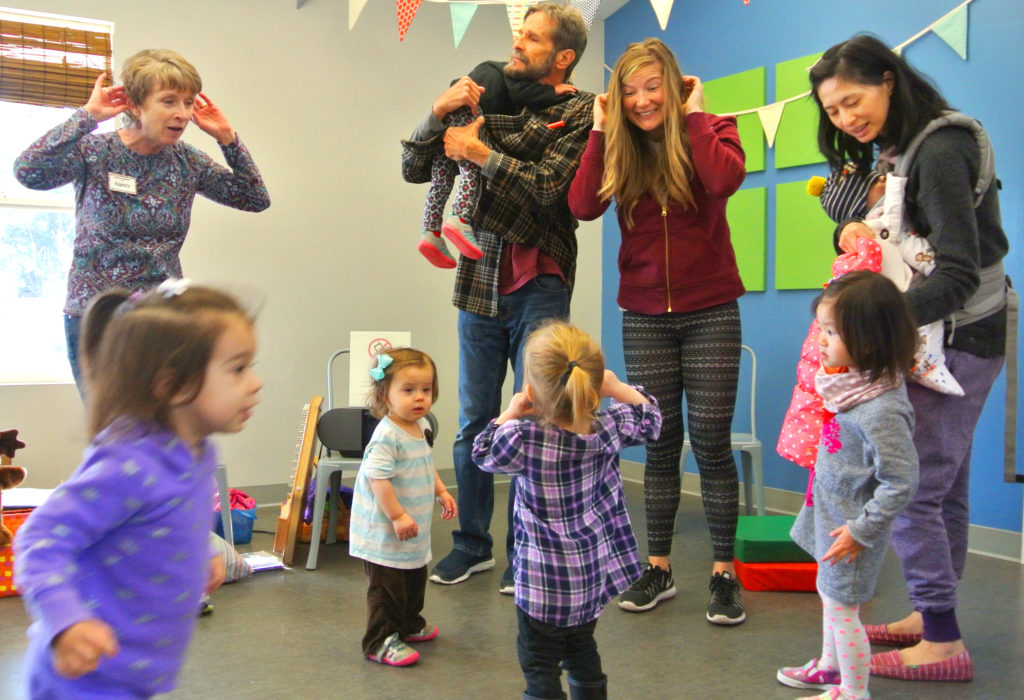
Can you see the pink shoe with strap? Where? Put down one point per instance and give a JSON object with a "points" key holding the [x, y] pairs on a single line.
{"points": [[808, 676], [460, 233], [424, 635], [833, 693], [433, 248]]}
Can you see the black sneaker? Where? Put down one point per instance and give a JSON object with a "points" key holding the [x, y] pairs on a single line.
{"points": [[653, 586], [508, 583], [724, 607], [458, 566]]}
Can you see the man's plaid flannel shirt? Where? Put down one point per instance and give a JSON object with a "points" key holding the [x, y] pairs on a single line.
{"points": [[525, 195]]}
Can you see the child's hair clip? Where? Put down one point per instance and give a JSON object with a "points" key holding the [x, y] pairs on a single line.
{"points": [[173, 287], [383, 362]]}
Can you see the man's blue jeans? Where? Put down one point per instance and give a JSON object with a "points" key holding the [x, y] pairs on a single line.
{"points": [[486, 347]]}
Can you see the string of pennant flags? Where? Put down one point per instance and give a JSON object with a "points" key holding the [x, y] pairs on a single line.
{"points": [[950, 27], [462, 12]]}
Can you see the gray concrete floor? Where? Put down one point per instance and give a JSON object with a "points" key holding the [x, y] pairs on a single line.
{"points": [[295, 633]]}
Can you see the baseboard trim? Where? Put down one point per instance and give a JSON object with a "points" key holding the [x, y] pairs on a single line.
{"points": [[986, 541]]}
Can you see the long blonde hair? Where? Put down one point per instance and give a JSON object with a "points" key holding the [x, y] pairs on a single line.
{"points": [[633, 166], [565, 369]]}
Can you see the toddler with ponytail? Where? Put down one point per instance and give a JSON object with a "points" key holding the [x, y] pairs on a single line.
{"points": [[574, 545]]}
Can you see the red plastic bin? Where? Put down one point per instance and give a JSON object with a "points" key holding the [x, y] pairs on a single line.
{"points": [[777, 576]]}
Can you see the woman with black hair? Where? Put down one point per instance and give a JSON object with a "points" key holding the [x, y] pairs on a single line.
{"points": [[871, 100]]}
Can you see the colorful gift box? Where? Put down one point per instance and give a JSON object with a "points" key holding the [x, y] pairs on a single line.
{"points": [[13, 519]]}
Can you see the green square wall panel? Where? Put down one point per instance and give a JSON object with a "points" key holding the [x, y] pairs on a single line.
{"points": [[796, 141], [748, 227], [736, 93], [803, 239]]}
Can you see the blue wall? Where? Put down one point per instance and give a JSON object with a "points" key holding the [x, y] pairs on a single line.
{"points": [[715, 38]]}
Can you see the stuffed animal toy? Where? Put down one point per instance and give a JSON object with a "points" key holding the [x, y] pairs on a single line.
{"points": [[10, 475]]}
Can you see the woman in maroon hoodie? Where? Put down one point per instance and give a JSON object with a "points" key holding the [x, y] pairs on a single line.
{"points": [[670, 167]]}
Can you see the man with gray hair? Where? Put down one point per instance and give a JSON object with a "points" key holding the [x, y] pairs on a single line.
{"points": [[528, 239]]}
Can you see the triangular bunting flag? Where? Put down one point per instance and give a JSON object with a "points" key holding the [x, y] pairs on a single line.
{"points": [[662, 8], [462, 13], [406, 11], [952, 29], [770, 116], [516, 10], [299, 4], [355, 8], [587, 8]]}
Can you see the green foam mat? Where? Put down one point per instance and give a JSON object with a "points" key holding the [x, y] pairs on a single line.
{"points": [[765, 538]]}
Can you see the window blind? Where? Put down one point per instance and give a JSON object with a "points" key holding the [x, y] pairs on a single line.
{"points": [[54, 66]]}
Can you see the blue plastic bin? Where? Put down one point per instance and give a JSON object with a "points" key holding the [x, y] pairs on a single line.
{"points": [[241, 522]]}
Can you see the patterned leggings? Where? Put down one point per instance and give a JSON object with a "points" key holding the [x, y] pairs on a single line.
{"points": [[845, 647], [442, 178], [696, 353]]}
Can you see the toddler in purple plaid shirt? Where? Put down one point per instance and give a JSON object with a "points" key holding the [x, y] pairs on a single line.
{"points": [[574, 545]]}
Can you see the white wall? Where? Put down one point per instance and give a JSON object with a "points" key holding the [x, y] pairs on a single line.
{"points": [[322, 109]]}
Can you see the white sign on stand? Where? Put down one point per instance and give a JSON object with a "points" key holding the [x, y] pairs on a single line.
{"points": [[363, 348]]}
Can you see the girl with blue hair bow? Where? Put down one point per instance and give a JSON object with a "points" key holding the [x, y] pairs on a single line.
{"points": [[392, 506]]}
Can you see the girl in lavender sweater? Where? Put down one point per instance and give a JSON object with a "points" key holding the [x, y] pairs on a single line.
{"points": [[113, 564]]}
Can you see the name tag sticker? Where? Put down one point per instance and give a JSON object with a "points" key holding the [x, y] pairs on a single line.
{"points": [[121, 183]]}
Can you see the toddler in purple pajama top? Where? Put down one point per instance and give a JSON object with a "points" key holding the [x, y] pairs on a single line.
{"points": [[113, 564]]}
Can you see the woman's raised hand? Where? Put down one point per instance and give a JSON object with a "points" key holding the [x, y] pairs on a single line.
{"points": [[106, 102], [600, 105], [210, 119], [693, 88]]}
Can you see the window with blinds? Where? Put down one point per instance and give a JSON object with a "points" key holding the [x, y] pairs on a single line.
{"points": [[51, 61], [48, 65]]}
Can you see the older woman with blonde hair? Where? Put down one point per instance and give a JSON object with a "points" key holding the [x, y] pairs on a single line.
{"points": [[670, 167], [134, 187]]}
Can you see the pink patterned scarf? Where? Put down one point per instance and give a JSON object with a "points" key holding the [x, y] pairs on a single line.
{"points": [[841, 391]]}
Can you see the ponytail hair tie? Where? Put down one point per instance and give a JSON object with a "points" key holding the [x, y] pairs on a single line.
{"points": [[565, 375]]}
